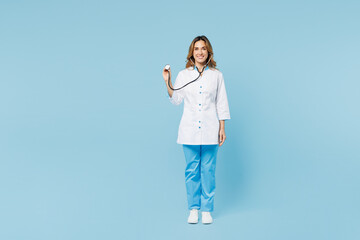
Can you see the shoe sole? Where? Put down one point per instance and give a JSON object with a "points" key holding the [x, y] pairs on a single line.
{"points": [[193, 222], [207, 222]]}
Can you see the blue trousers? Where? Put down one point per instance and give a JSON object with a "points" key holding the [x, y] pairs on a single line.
{"points": [[200, 176]]}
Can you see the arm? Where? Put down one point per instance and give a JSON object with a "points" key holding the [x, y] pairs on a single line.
{"points": [[222, 105], [170, 91], [166, 76], [222, 108], [222, 135], [175, 97]]}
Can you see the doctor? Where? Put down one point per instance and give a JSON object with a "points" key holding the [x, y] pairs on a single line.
{"points": [[202, 126]]}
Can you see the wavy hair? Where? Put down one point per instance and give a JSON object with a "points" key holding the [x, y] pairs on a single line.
{"points": [[190, 58]]}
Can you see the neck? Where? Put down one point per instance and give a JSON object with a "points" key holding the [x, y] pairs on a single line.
{"points": [[200, 66]]}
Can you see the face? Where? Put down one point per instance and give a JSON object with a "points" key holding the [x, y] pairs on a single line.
{"points": [[200, 52]]}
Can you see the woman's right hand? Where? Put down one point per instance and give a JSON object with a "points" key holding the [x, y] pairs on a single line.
{"points": [[166, 74]]}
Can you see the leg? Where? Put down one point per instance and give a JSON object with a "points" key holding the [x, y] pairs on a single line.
{"points": [[208, 163], [192, 175]]}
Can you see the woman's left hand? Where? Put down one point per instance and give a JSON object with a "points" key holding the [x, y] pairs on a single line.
{"points": [[222, 136]]}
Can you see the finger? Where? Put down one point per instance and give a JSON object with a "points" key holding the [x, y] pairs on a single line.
{"points": [[223, 137]]}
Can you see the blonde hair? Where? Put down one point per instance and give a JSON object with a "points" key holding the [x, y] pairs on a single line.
{"points": [[190, 58]]}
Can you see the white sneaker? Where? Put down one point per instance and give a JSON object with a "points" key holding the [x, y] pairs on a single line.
{"points": [[206, 217], [194, 216]]}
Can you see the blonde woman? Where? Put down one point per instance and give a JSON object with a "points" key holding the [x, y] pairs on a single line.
{"points": [[202, 126]]}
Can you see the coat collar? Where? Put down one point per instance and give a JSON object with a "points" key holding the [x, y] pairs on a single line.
{"points": [[194, 68]]}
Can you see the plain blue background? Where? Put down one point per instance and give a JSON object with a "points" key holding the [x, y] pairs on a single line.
{"points": [[88, 137]]}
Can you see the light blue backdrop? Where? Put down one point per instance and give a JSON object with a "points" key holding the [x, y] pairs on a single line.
{"points": [[88, 137]]}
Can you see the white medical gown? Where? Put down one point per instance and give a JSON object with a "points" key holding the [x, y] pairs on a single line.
{"points": [[205, 103]]}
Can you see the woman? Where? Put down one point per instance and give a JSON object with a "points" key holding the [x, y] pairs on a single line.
{"points": [[202, 126]]}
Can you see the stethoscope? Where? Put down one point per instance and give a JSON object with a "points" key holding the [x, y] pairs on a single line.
{"points": [[167, 67]]}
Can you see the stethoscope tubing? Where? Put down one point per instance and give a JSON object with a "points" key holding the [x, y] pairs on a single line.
{"points": [[174, 89]]}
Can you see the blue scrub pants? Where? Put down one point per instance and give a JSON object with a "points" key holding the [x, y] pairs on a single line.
{"points": [[200, 176]]}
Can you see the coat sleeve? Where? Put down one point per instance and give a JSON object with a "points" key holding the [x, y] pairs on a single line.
{"points": [[178, 95], [222, 105]]}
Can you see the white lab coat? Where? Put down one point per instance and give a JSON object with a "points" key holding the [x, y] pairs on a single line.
{"points": [[205, 103]]}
